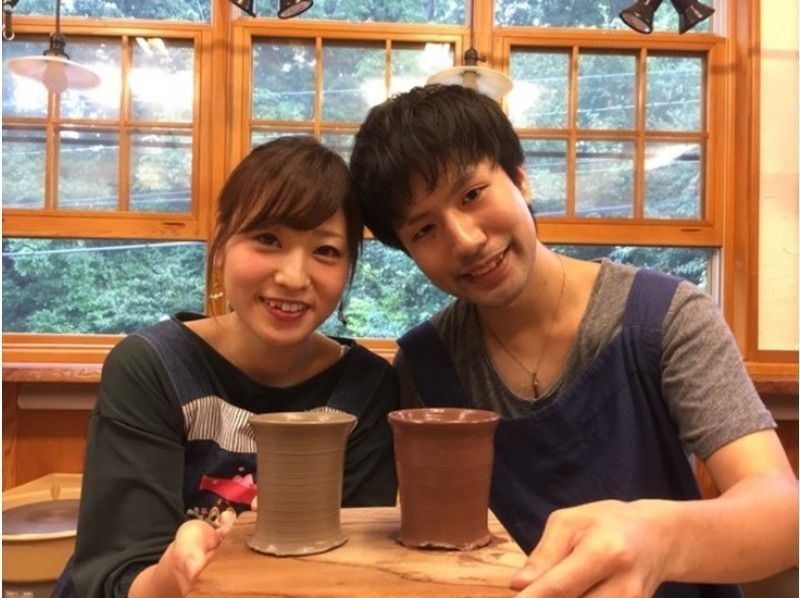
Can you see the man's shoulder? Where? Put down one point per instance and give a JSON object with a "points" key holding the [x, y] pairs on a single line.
{"points": [[451, 316]]}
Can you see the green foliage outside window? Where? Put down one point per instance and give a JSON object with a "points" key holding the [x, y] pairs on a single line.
{"points": [[102, 287]]}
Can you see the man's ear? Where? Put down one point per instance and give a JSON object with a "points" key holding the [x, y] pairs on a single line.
{"points": [[524, 184]]}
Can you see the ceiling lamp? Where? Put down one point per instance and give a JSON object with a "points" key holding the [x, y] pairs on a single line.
{"points": [[690, 13], [54, 69], [482, 79], [286, 10], [639, 16], [292, 8]]}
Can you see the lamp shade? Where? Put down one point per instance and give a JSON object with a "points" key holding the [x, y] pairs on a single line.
{"points": [[484, 80], [639, 16], [246, 6], [56, 73], [292, 8], [690, 13]]}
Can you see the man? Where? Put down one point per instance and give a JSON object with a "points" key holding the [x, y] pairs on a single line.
{"points": [[604, 374]]}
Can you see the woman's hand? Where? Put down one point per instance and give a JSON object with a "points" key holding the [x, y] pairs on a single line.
{"points": [[177, 570]]}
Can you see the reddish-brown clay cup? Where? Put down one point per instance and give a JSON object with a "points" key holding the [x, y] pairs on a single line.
{"points": [[444, 463], [300, 458]]}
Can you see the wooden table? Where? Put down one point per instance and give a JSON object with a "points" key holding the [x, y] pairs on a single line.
{"points": [[371, 563]]}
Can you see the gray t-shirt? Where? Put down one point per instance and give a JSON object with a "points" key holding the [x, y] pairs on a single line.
{"points": [[704, 383]]}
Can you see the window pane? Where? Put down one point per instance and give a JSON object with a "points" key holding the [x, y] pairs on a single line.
{"points": [[539, 97], [88, 171], [104, 57], [161, 173], [606, 91], [98, 286], [353, 81], [692, 263], [23, 168], [283, 79], [23, 96], [412, 64], [546, 166], [674, 92], [358, 11], [259, 137], [174, 10], [341, 143], [601, 14], [162, 80], [672, 178], [604, 182], [389, 295]]}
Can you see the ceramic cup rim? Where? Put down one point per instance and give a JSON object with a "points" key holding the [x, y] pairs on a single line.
{"points": [[442, 416], [302, 418]]}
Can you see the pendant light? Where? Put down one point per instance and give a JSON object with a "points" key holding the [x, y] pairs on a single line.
{"points": [[54, 69], [287, 8], [639, 15], [484, 80]]}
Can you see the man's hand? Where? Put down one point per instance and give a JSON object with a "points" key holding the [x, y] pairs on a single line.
{"points": [[177, 570], [606, 548]]}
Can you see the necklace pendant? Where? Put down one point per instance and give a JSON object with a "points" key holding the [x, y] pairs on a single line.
{"points": [[535, 385]]}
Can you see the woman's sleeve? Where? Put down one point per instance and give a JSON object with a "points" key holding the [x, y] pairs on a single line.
{"points": [[369, 475], [132, 494]]}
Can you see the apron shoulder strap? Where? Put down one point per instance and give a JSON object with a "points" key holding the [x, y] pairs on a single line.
{"points": [[649, 298]]}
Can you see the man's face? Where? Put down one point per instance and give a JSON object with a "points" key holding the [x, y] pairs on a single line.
{"points": [[473, 234]]}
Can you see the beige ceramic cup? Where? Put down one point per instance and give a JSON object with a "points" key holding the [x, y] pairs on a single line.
{"points": [[444, 463], [300, 459]]}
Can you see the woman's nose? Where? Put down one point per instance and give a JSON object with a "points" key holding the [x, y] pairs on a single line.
{"points": [[291, 273]]}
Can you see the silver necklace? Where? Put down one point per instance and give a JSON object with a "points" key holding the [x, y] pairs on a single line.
{"points": [[533, 373]]}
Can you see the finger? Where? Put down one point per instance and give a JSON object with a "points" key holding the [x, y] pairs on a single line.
{"points": [[585, 568], [226, 521], [254, 504], [556, 543], [192, 567]]}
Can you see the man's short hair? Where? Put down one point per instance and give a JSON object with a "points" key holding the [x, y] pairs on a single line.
{"points": [[426, 132]]}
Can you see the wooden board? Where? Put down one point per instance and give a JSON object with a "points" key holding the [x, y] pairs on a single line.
{"points": [[370, 563]]}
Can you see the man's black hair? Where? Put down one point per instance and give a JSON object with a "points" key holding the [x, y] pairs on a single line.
{"points": [[425, 132]]}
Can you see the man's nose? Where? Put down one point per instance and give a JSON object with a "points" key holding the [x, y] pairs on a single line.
{"points": [[466, 235]]}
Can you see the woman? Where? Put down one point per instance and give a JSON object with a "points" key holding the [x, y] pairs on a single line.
{"points": [[170, 450]]}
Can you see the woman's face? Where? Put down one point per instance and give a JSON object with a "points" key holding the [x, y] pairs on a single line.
{"points": [[282, 283]]}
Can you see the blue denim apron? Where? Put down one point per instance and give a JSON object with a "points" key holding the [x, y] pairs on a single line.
{"points": [[608, 435]]}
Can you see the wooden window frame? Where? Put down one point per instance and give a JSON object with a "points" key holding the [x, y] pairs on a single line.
{"points": [[222, 137]]}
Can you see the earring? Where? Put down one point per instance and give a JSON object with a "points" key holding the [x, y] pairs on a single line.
{"points": [[217, 292], [340, 314]]}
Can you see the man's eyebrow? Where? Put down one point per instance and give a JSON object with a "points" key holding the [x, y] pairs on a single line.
{"points": [[455, 185]]}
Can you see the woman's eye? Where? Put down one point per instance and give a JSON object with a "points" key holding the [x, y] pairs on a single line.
{"points": [[425, 230], [267, 239], [329, 251], [473, 194]]}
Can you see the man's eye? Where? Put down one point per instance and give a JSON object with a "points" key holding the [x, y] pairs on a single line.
{"points": [[329, 251], [425, 230], [473, 194]]}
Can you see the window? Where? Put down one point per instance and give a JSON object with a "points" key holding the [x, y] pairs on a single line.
{"points": [[105, 208], [626, 139]]}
